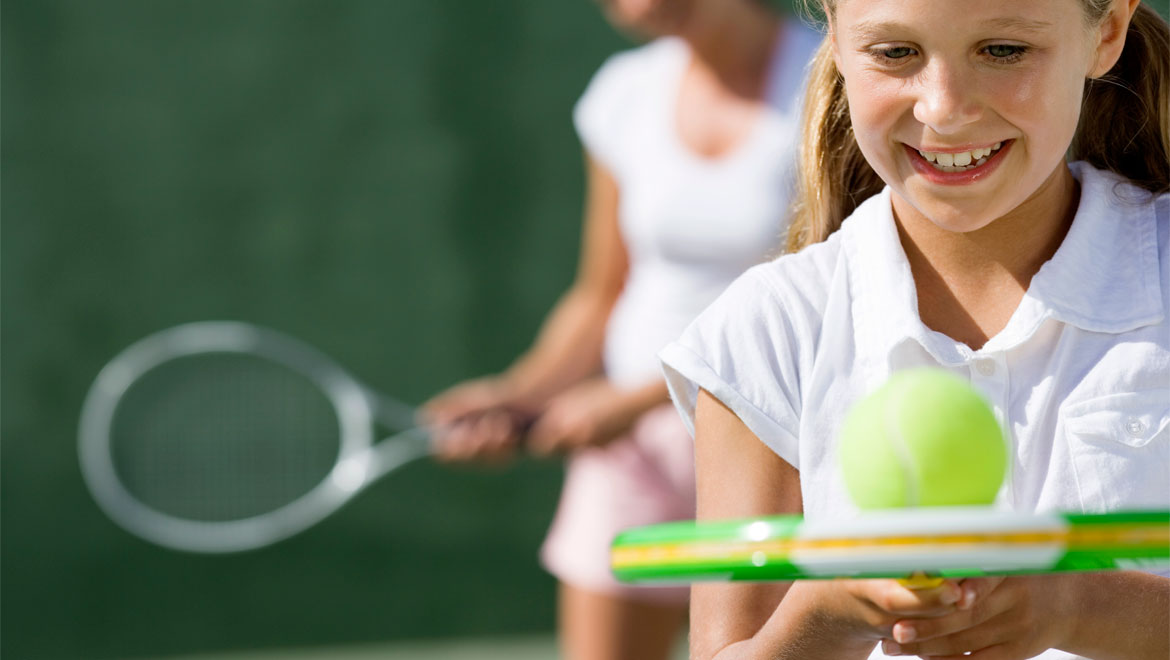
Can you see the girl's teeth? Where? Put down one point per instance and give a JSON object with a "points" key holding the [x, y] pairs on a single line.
{"points": [[958, 162]]}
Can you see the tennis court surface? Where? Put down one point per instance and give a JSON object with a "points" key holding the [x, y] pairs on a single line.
{"points": [[532, 647]]}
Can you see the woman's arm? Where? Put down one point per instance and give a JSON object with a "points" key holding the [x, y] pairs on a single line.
{"points": [[592, 413], [568, 346]]}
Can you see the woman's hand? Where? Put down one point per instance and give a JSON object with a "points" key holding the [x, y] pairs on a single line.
{"points": [[478, 419], [997, 619], [590, 414], [471, 397], [491, 436]]}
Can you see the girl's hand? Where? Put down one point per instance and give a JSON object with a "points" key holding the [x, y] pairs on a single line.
{"points": [[590, 414], [997, 619], [882, 603], [859, 613]]}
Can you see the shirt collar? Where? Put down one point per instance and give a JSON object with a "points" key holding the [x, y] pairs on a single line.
{"points": [[1103, 278], [1105, 275]]}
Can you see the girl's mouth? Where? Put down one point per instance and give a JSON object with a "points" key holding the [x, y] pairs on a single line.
{"points": [[958, 167]]}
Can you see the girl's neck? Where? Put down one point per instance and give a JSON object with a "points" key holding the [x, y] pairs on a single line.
{"points": [[732, 43], [969, 284]]}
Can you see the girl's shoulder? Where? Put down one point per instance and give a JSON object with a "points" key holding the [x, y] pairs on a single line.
{"points": [[1110, 199], [821, 270], [1119, 193]]}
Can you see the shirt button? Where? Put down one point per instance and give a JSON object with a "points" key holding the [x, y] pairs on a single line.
{"points": [[1134, 427], [985, 367]]}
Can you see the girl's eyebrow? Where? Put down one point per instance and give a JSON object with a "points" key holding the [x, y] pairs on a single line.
{"points": [[1017, 23], [876, 29], [880, 29]]}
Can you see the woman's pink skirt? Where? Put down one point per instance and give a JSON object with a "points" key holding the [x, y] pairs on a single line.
{"points": [[642, 478]]}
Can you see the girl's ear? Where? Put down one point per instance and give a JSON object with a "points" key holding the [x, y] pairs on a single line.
{"points": [[1111, 34]]}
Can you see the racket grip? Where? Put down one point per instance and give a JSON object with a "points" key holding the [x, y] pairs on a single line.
{"points": [[919, 580]]}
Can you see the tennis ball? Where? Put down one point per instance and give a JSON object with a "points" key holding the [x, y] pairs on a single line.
{"points": [[925, 438]]}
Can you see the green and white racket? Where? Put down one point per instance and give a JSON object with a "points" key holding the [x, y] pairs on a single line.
{"points": [[937, 541]]}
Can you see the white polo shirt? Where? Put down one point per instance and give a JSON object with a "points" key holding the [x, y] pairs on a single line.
{"points": [[1079, 377]]}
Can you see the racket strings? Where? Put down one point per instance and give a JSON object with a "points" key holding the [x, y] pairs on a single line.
{"points": [[221, 437]]}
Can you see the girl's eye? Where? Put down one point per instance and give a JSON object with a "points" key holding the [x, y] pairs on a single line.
{"points": [[896, 53], [891, 56], [1005, 52]]}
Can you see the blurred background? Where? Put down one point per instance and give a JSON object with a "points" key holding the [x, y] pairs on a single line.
{"points": [[395, 182]]}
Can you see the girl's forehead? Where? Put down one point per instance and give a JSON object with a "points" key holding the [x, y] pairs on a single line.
{"points": [[1030, 15]]}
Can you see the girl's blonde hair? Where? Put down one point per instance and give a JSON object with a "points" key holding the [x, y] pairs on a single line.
{"points": [[1124, 127]]}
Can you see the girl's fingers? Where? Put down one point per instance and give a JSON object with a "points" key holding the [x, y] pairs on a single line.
{"points": [[968, 636], [975, 605], [977, 589], [894, 598]]}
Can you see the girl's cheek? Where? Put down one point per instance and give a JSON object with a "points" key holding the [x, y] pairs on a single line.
{"points": [[875, 100]]}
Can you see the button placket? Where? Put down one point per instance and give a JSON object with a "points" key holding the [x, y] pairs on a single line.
{"points": [[990, 376]]}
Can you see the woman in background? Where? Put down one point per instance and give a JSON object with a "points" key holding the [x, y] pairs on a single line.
{"points": [[689, 145]]}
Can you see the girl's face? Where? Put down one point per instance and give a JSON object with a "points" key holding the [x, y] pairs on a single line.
{"points": [[965, 109]]}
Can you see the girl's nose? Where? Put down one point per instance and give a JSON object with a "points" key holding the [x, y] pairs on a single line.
{"points": [[948, 98]]}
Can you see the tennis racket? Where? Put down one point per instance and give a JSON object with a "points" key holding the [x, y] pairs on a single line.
{"points": [[935, 542], [221, 437]]}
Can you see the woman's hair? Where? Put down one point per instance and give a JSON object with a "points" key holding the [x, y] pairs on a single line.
{"points": [[1124, 127]]}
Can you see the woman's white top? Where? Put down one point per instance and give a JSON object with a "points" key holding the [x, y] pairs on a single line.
{"points": [[690, 224], [1079, 377]]}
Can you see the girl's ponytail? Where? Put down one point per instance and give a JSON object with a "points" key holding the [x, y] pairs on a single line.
{"points": [[833, 175], [1125, 117]]}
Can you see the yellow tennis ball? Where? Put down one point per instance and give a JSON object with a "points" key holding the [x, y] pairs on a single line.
{"points": [[925, 438]]}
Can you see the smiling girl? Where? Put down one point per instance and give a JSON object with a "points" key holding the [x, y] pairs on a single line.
{"points": [[984, 190]]}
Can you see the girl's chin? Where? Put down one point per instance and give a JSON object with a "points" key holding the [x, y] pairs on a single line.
{"points": [[957, 216]]}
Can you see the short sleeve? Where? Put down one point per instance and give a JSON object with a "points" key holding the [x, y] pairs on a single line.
{"points": [[743, 350], [599, 115]]}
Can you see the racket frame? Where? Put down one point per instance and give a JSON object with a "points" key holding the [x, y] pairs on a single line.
{"points": [[940, 541], [359, 460]]}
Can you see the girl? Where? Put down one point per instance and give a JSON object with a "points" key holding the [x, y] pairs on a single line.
{"points": [[690, 140], [941, 129]]}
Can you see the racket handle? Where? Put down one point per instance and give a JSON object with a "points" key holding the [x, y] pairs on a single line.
{"points": [[919, 580]]}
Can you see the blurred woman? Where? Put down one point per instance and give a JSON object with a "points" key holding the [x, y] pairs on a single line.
{"points": [[689, 143]]}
